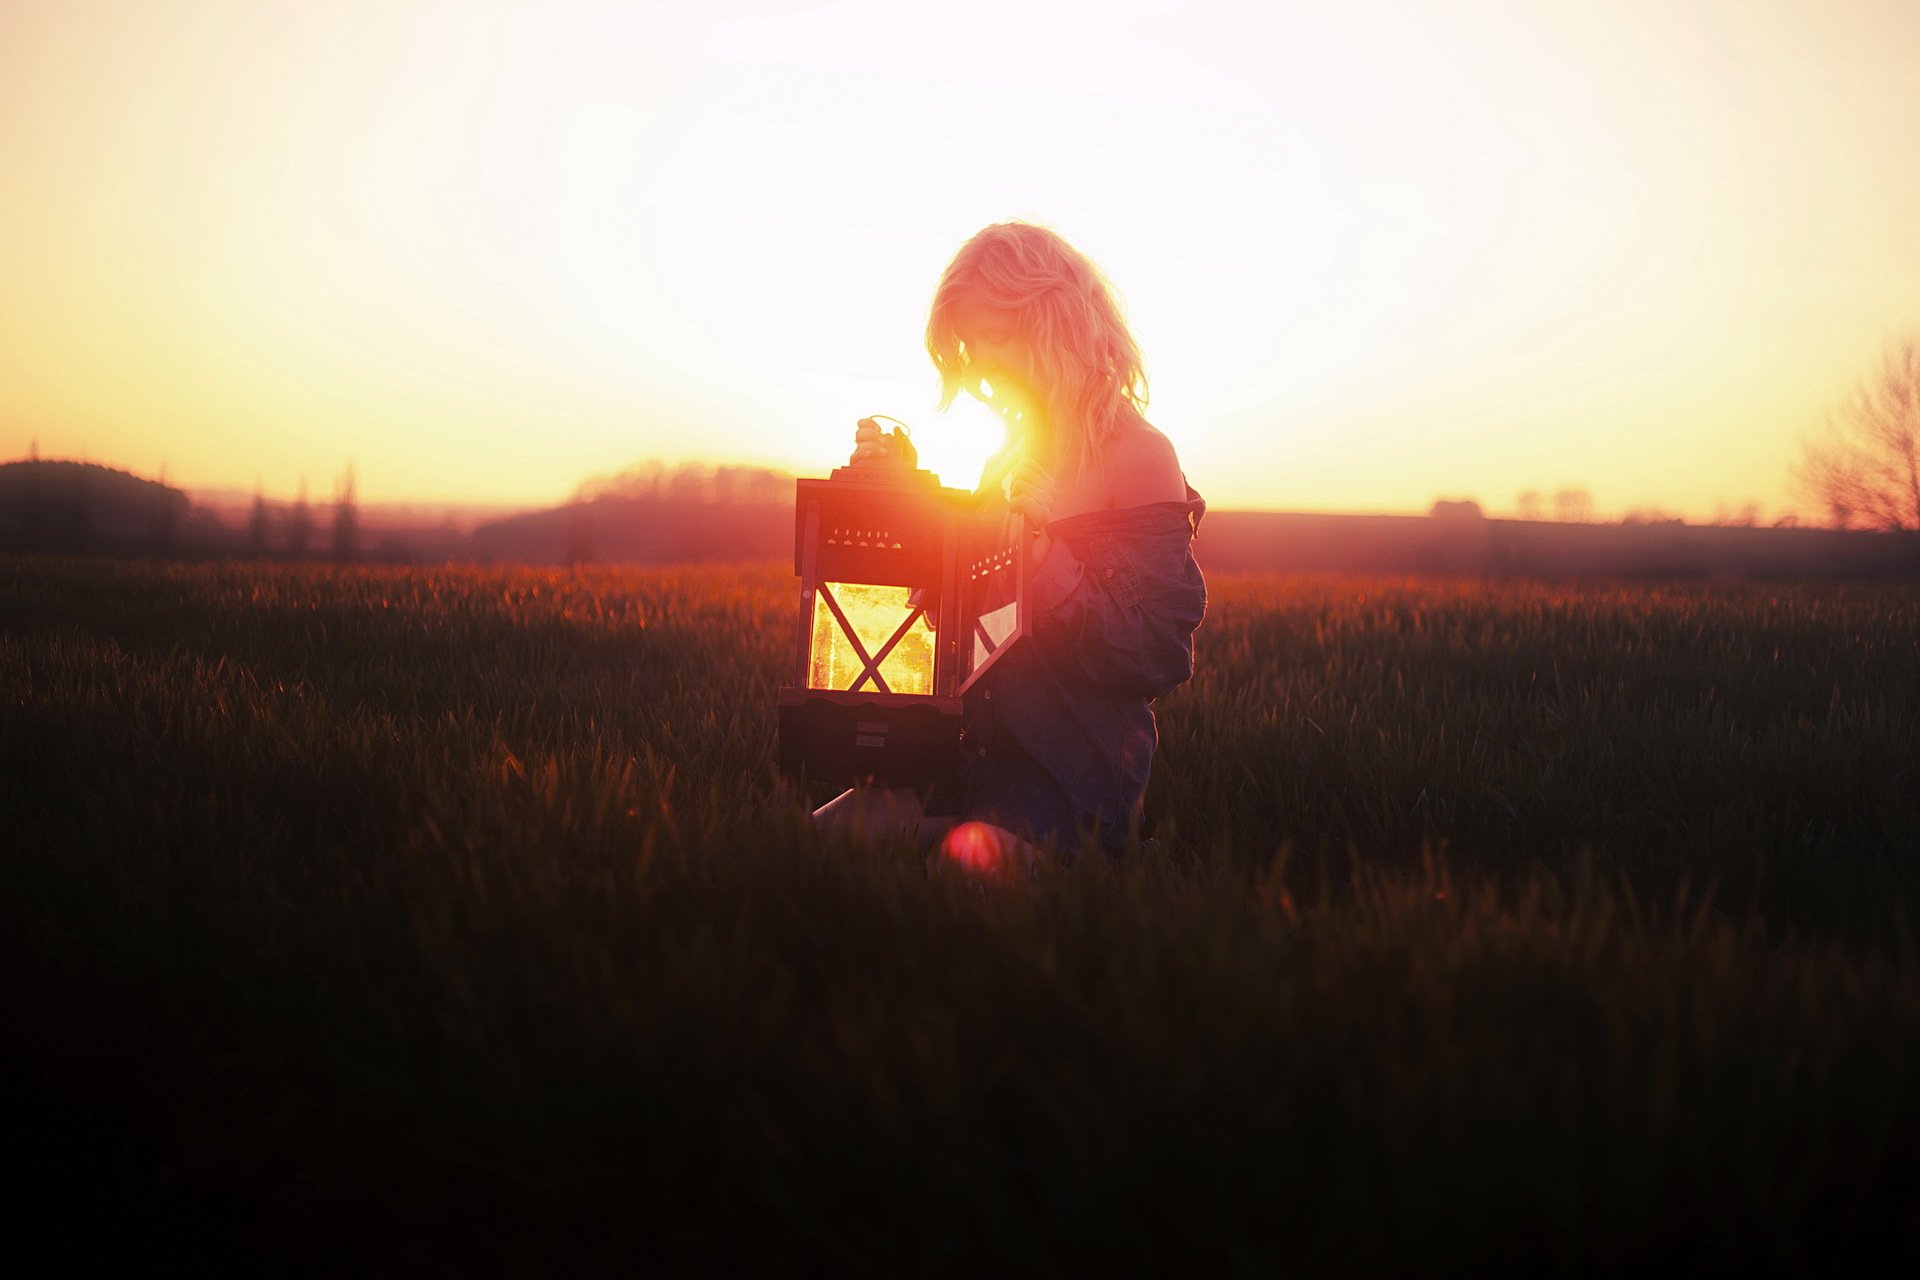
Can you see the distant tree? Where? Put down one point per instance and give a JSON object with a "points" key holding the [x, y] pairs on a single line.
{"points": [[1456, 509], [1573, 506], [690, 482], [1528, 504], [744, 486], [346, 518], [299, 525], [641, 480], [257, 525], [1865, 467]]}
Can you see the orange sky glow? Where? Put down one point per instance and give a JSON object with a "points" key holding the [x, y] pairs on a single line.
{"points": [[1375, 253]]}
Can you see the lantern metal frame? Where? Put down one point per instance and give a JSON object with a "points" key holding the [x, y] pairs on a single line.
{"points": [[893, 526]]}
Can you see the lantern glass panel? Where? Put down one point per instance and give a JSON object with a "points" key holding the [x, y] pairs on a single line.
{"points": [[991, 631], [875, 613], [992, 577]]}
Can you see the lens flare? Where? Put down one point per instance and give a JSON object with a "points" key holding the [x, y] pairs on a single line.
{"points": [[977, 847]]}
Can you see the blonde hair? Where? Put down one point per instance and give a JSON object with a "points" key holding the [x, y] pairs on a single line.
{"points": [[1057, 305]]}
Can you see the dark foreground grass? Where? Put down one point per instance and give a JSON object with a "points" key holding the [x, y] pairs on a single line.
{"points": [[448, 921]]}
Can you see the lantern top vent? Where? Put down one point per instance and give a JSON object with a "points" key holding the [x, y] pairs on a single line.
{"points": [[886, 473]]}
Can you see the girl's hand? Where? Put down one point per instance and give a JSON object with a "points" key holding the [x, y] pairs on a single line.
{"points": [[869, 445], [1031, 492], [872, 446]]}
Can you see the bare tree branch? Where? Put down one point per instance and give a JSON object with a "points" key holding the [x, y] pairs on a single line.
{"points": [[1865, 467]]}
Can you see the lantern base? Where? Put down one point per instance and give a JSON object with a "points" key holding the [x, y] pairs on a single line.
{"points": [[891, 739]]}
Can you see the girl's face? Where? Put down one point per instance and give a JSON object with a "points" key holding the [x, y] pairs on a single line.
{"points": [[999, 368]]}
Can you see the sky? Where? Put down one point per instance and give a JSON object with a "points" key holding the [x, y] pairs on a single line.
{"points": [[1375, 253]]}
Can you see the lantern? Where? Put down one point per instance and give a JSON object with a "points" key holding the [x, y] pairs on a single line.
{"points": [[909, 593]]}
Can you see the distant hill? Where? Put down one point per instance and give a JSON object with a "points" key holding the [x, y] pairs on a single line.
{"points": [[651, 513], [1456, 539], [651, 530], [83, 508]]}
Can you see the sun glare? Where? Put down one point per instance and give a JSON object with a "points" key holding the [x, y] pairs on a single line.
{"points": [[955, 445]]}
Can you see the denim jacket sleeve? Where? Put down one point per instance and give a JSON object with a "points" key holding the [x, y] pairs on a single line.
{"points": [[1119, 597]]}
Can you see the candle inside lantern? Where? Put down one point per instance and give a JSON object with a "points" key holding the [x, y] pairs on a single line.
{"points": [[875, 614]]}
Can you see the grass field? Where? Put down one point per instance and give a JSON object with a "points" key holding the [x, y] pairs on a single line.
{"points": [[454, 920]]}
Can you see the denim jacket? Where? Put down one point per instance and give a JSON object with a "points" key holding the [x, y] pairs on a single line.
{"points": [[1115, 606]]}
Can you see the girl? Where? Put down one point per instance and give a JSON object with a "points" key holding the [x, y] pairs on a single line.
{"points": [[1060, 734]]}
